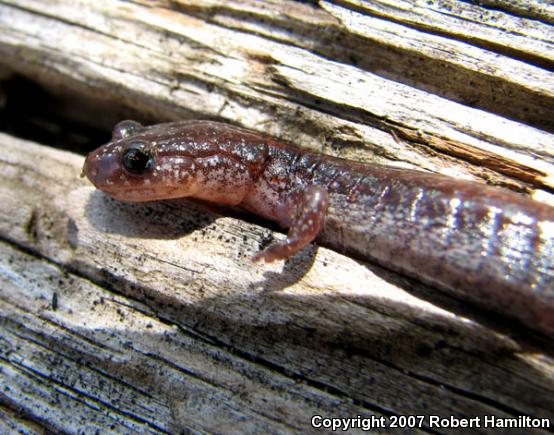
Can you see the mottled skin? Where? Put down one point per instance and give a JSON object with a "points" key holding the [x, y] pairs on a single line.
{"points": [[485, 244]]}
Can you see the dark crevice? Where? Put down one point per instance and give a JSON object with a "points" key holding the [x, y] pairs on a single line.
{"points": [[30, 112]]}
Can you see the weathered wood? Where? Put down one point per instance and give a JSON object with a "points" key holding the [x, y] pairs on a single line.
{"points": [[151, 317], [172, 65]]}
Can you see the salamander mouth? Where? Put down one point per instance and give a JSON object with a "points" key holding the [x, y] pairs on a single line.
{"points": [[133, 193]]}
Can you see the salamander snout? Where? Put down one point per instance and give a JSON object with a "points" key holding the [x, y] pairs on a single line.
{"points": [[103, 171], [107, 171]]}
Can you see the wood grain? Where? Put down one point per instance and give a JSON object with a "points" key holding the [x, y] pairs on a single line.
{"points": [[152, 318]]}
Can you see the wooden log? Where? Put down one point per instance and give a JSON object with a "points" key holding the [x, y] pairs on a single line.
{"points": [[151, 317]]}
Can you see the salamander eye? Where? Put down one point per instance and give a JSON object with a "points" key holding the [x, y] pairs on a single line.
{"points": [[137, 159], [125, 129]]}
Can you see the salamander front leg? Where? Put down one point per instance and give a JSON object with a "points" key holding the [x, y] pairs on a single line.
{"points": [[307, 224]]}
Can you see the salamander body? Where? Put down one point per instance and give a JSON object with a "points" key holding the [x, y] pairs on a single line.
{"points": [[485, 244]]}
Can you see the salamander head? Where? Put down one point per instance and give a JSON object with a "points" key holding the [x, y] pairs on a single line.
{"points": [[140, 165]]}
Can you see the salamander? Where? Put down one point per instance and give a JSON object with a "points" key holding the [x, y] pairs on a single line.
{"points": [[484, 244]]}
